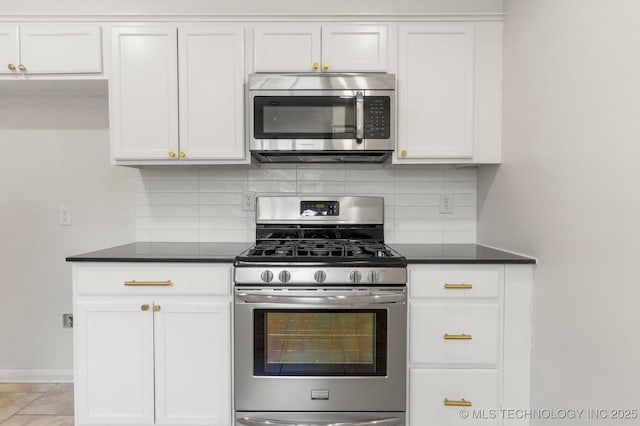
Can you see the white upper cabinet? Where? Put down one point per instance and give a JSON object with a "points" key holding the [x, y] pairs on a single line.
{"points": [[211, 85], [352, 47], [143, 93], [449, 92], [286, 47], [50, 49], [177, 94], [9, 49]]}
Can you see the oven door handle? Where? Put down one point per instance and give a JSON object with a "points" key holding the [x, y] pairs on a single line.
{"points": [[249, 421], [370, 299]]}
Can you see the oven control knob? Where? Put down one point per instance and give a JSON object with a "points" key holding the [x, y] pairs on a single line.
{"points": [[320, 276], [284, 276], [355, 276], [373, 277], [266, 276]]}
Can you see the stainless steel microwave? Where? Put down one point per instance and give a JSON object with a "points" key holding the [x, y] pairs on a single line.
{"points": [[321, 117]]}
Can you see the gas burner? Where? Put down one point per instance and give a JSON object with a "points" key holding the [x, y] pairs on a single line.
{"points": [[330, 248]]}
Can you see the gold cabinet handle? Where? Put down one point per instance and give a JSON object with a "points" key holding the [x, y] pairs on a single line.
{"points": [[403, 153], [458, 286], [172, 154], [462, 336], [156, 308], [11, 67], [316, 65], [148, 283], [453, 403], [144, 307], [326, 65], [22, 68], [181, 154]]}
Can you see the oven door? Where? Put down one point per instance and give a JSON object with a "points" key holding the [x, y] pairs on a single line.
{"points": [[320, 349]]}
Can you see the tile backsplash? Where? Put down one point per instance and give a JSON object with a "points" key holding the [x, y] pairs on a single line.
{"points": [[202, 204]]}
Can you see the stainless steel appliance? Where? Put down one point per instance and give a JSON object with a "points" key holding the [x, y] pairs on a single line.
{"points": [[321, 117], [320, 316]]}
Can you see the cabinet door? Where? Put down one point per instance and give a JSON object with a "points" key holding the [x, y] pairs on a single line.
{"points": [[286, 47], [114, 362], [193, 363], [352, 47], [9, 49], [435, 91], [428, 390], [454, 334], [60, 49], [143, 93], [211, 60]]}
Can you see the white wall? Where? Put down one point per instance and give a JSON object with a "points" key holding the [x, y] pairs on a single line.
{"points": [[247, 6], [55, 152], [567, 193]]}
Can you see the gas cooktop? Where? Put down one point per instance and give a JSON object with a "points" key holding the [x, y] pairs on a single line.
{"points": [[320, 248], [320, 240]]}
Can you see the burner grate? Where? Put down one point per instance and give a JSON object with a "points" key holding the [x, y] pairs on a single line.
{"points": [[320, 248]]}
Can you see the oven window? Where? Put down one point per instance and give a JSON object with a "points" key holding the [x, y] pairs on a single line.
{"points": [[304, 117], [320, 342]]}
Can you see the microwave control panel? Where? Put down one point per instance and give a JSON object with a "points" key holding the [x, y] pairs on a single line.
{"points": [[377, 117]]}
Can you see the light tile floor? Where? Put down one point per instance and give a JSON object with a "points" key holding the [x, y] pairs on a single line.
{"points": [[34, 404]]}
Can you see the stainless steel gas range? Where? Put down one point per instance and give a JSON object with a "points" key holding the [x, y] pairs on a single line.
{"points": [[320, 316]]}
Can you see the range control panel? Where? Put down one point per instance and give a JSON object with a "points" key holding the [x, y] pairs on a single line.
{"points": [[319, 208]]}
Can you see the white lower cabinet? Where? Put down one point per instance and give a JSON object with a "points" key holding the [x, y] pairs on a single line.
{"points": [[447, 397], [154, 352], [456, 333], [469, 343]]}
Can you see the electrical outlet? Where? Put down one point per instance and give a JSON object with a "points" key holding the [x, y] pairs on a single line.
{"points": [[446, 203], [64, 215], [67, 320], [248, 201]]}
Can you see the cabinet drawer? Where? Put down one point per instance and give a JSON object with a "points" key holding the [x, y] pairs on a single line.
{"points": [[454, 334], [429, 388], [463, 283], [152, 279]]}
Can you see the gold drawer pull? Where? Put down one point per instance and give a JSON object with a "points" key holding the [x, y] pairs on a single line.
{"points": [[144, 307], [458, 286], [148, 283], [462, 336], [462, 403], [156, 308]]}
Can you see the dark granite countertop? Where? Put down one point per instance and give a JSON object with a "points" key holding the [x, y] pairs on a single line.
{"points": [[225, 253], [165, 252], [457, 253]]}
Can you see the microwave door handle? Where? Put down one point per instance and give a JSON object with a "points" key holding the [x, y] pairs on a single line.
{"points": [[250, 421], [359, 116], [370, 299]]}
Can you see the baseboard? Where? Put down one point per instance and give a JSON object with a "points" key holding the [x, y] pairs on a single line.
{"points": [[36, 376]]}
